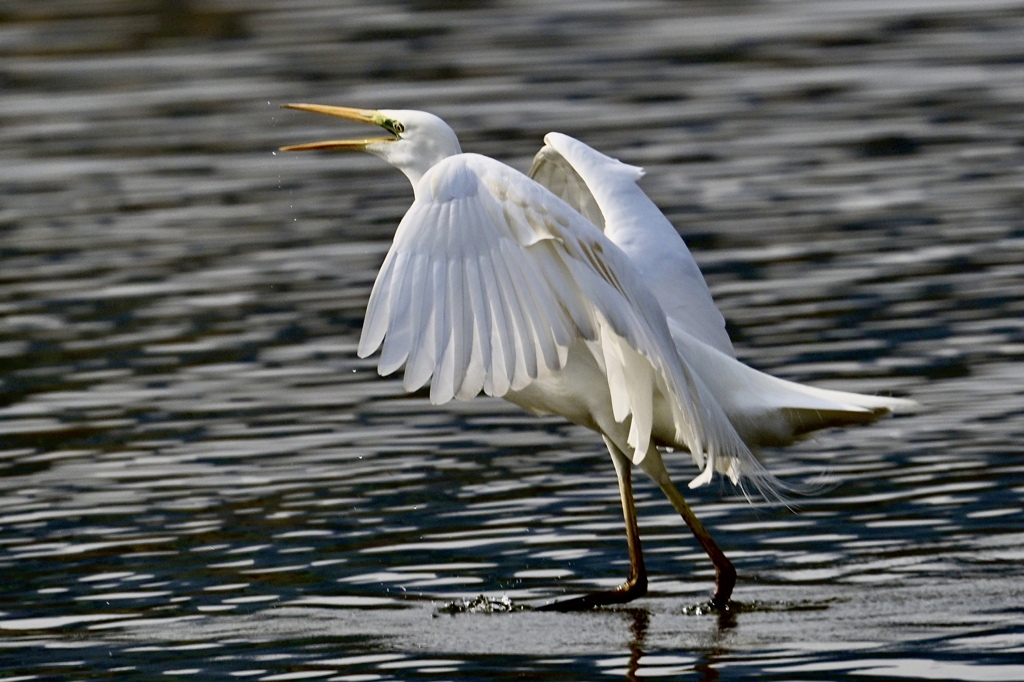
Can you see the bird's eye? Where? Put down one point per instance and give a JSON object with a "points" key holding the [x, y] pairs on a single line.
{"points": [[397, 127]]}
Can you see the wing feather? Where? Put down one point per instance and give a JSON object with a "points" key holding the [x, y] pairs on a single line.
{"points": [[378, 310], [605, 191], [617, 384], [533, 327], [516, 327], [491, 278], [641, 392], [546, 315], [502, 352], [441, 387], [554, 171], [396, 344], [479, 320], [420, 361]]}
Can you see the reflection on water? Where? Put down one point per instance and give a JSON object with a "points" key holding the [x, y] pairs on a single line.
{"points": [[198, 476]]}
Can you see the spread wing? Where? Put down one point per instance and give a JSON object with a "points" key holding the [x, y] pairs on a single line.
{"points": [[551, 169], [491, 278], [605, 191]]}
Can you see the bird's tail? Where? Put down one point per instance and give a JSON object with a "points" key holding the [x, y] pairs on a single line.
{"points": [[807, 408], [767, 411]]}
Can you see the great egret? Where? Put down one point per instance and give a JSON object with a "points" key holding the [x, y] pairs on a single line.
{"points": [[569, 293]]}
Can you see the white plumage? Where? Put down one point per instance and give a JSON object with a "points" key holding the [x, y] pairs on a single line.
{"points": [[568, 292], [488, 284]]}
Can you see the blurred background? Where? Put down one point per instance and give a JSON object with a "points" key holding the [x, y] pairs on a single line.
{"points": [[198, 477]]}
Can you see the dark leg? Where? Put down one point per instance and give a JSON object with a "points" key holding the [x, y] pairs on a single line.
{"points": [[636, 584], [725, 573]]}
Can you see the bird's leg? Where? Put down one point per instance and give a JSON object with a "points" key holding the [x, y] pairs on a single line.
{"points": [[725, 573], [636, 584]]}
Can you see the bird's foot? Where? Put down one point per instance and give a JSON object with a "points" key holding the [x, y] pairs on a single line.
{"points": [[628, 591], [725, 581]]}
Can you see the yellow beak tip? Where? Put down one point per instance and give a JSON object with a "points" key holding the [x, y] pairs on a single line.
{"points": [[360, 115]]}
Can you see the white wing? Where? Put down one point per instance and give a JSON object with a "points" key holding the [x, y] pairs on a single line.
{"points": [[551, 169], [491, 278], [604, 190], [762, 409]]}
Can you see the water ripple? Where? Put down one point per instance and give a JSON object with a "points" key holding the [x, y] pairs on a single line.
{"points": [[199, 477]]}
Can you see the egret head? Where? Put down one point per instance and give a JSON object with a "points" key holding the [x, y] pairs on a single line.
{"points": [[415, 141]]}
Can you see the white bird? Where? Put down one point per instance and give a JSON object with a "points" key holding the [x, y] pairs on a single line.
{"points": [[568, 292]]}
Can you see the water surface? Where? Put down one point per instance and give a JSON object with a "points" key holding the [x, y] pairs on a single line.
{"points": [[198, 477]]}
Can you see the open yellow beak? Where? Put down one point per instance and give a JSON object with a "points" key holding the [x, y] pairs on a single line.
{"points": [[361, 115]]}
